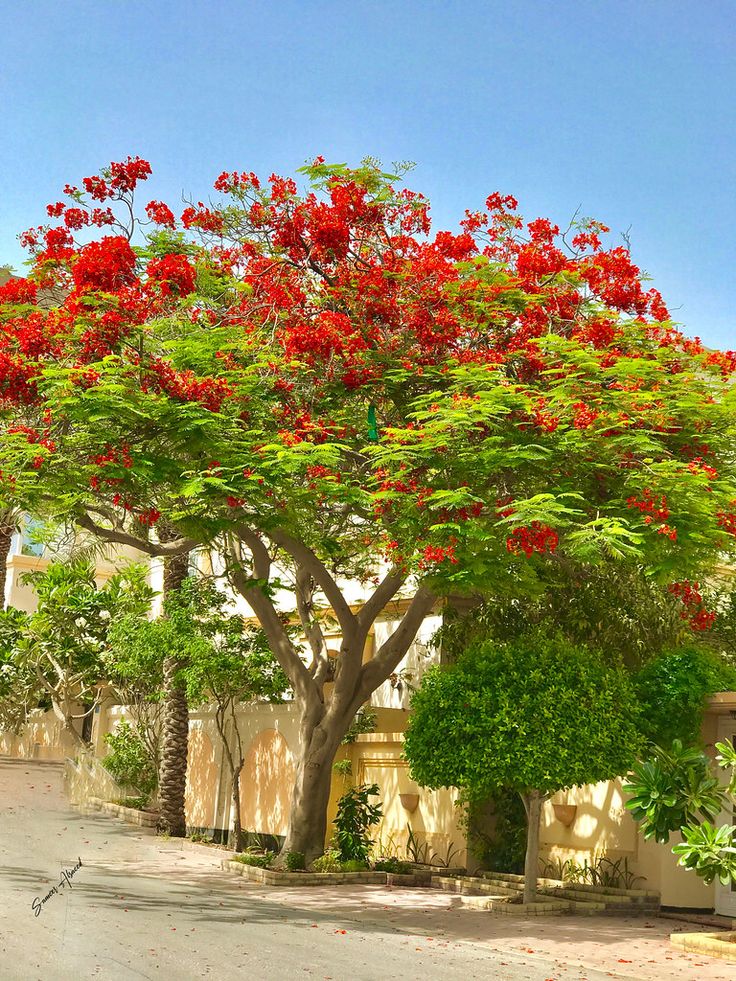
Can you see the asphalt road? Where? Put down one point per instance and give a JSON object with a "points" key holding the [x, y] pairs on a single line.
{"points": [[137, 907]]}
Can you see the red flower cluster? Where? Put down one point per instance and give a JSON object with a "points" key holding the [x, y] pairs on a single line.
{"points": [[160, 214], [699, 466], [19, 291], [695, 613], [435, 554], [583, 416], [545, 420], [106, 265], [727, 520], [649, 506], [329, 333], [187, 387], [174, 275], [202, 218], [529, 539], [227, 183]]}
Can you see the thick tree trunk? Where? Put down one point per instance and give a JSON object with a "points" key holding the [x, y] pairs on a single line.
{"points": [[6, 537], [310, 796], [76, 738], [533, 805], [175, 728]]}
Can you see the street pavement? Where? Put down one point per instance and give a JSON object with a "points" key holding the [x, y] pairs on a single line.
{"points": [[86, 896]]}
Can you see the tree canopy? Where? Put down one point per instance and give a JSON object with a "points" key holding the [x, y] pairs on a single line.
{"points": [[56, 652], [324, 388], [535, 716], [538, 714]]}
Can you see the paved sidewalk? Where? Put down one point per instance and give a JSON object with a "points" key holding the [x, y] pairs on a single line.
{"points": [[139, 907]]}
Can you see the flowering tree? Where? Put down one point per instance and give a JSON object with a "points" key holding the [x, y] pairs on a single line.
{"points": [[313, 382], [55, 653]]}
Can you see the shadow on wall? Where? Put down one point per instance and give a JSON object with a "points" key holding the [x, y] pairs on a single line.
{"points": [[600, 823], [202, 780], [266, 783], [43, 738]]}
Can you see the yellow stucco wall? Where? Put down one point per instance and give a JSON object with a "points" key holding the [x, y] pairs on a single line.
{"points": [[42, 738], [202, 779], [265, 784]]}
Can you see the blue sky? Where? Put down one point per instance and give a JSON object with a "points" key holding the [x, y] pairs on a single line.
{"points": [[624, 109]]}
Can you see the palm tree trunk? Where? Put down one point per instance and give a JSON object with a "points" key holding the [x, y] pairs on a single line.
{"points": [[173, 771]]}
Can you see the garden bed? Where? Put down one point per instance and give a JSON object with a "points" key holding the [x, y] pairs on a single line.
{"points": [[272, 877], [145, 819], [713, 944]]}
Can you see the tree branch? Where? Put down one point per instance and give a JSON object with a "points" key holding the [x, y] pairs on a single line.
{"points": [[156, 549], [382, 594], [393, 650], [305, 559], [304, 592], [268, 617]]}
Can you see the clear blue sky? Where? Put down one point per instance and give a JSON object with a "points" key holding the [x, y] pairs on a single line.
{"points": [[625, 108]]}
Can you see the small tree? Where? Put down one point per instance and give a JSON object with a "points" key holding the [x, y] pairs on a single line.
{"points": [[19, 692], [133, 664], [356, 815], [129, 762], [536, 716], [60, 645], [222, 661], [230, 663]]}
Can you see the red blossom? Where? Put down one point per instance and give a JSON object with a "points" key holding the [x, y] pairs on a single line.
{"points": [[160, 214], [174, 275], [107, 265], [694, 610], [536, 537], [18, 290]]}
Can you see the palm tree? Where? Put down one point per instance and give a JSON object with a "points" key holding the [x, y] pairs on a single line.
{"points": [[173, 768]]}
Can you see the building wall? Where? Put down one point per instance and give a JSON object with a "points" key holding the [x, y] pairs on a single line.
{"points": [[603, 826], [42, 738]]}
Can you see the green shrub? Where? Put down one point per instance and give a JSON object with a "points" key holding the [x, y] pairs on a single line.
{"points": [[259, 861], [128, 761], [392, 865], [137, 803], [329, 862], [355, 816], [200, 836], [295, 862], [673, 689], [354, 865]]}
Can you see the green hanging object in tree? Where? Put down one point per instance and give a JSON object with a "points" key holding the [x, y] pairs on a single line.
{"points": [[372, 424]]}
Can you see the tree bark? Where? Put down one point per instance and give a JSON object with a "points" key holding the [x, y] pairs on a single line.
{"points": [[6, 537], [320, 740], [237, 822], [175, 729], [533, 805]]}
